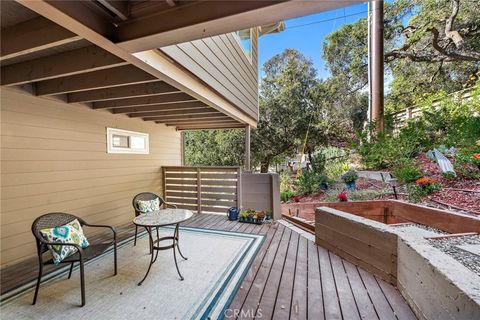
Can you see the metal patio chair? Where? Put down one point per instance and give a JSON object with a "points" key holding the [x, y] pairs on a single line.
{"points": [[147, 196], [57, 219]]}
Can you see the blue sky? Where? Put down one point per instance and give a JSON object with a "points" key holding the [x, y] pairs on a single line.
{"points": [[306, 34]]}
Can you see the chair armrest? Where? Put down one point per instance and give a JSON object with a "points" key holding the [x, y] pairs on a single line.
{"points": [[167, 204], [103, 226]]}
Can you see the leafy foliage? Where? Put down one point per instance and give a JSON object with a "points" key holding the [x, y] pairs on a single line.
{"points": [[408, 174], [309, 182]]}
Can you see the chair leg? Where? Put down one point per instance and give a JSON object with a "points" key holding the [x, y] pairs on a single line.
{"points": [[71, 268], [115, 256], [82, 283], [40, 270], [135, 240]]}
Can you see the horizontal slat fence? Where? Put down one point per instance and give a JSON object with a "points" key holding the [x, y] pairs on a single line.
{"points": [[202, 189]]}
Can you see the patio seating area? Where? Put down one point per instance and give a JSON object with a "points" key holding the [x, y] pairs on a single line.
{"points": [[289, 278]]}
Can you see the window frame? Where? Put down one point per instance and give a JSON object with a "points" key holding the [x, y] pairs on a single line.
{"points": [[128, 150]]}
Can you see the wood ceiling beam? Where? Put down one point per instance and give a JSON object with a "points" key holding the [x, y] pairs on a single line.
{"points": [[200, 19], [151, 61], [210, 127], [161, 107], [206, 110], [186, 117], [63, 64], [112, 77], [129, 91], [119, 8], [33, 35], [142, 101], [201, 123], [196, 121]]}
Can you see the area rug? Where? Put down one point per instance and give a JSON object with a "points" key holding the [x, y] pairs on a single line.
{"points": [[217, 263]]}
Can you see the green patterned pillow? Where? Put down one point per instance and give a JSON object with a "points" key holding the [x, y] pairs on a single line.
{"points": [[148, 205], [69, 233]]}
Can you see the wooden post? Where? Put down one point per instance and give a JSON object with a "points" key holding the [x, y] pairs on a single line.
{"points": [[377, 56], [239, 188], [182, 141], [164, 183], [247, 148], [199, 191]]}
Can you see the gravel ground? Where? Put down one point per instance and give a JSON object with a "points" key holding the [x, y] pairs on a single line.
{"points": [[469, 260], [420, 229]]}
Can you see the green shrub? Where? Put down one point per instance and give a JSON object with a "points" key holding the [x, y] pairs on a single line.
{"points": [[318, 162], [309, 182], [286, 195], [408, 174], [286, 182], [449, 175], [350, 176]]}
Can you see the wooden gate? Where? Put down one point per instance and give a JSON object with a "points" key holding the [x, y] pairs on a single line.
{"points": [[202, 189]]}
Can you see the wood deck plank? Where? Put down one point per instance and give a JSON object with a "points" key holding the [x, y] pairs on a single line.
{"points": [[314, 289], [269, 294], [344, 292], [364, 304], [329, 292], [401, 309], [299, 296], [252, 272], [285, 289], [383, 309], [256, 290]]}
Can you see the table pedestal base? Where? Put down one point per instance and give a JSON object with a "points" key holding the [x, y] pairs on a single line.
{"points": [[155, 248]]}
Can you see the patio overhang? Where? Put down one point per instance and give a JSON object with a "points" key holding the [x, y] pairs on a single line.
{"points": [[104, 54]]}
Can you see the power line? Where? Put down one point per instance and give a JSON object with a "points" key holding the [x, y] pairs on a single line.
{"points": [[326, 20]]}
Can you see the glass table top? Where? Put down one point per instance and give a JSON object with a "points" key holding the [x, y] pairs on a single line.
{"points": [[162, 217]]}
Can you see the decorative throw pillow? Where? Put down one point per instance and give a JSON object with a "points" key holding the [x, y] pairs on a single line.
{"points": [[148, 205], [69, 233]]}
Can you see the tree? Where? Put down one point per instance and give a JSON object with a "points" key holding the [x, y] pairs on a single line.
{"points": [[292, 102], [215, 147], [430, 45]]}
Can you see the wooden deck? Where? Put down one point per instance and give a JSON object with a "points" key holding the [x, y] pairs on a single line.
{"points": [[290, 278]]}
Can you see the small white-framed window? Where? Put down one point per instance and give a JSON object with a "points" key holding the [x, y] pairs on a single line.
{"points": [[124, 141]]}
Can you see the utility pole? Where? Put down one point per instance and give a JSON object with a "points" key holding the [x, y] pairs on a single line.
{"points": [[377, 68]]}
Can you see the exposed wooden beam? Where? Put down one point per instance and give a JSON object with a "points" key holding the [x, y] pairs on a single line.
{"points": [[112, 77], [120, 8], [195, 117], [171, 3], [33, 35], [130, 91], [161, 107], [200, 19], [63, 64], [174, 113], [142, 101], [151, 61], [209, 127], [199, 121]]}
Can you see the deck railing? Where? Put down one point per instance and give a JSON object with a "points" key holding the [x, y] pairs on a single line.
{"points": [[202, 189]]}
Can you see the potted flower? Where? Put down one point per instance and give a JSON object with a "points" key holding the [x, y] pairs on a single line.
{"points": [[268, 215], [342, 197], [242, 216], [260, 217], [350, 177], [476, 160]]}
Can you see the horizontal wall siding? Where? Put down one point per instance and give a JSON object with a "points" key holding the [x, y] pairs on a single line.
{"points": [[222, 64], [53, 158]]}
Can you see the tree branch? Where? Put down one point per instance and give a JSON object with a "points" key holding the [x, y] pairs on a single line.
{"points": [[449, 32]]}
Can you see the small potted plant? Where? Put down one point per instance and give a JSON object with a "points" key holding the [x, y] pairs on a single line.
{"points": [[260, 217], [268, 215], [242, 216], [350, 178], [250, 215]]}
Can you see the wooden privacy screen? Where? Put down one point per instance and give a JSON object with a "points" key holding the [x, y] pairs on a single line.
{"points": [[202, 189]]}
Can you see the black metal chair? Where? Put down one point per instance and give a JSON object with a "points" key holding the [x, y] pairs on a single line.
{"points": [[147, 196], [57, 219]]}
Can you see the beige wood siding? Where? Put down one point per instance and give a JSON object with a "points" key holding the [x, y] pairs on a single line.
{"points": [[53, 158], [222, 64]]}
